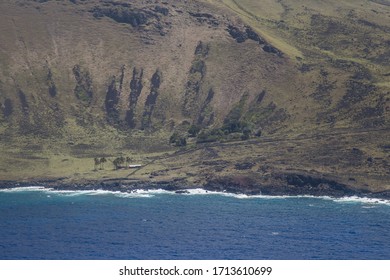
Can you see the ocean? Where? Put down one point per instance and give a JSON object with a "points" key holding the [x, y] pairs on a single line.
{"points": [[37, 223]]}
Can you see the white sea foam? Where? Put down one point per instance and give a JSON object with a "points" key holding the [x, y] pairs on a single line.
{"points": [[48, 191], [239, 196], [153, 192], [24, 189], [142, 193], [350, 199], [369, 207], [365, 200], [261, 196], [133, 195], [199, 192], [76, 192], [101, 192]]}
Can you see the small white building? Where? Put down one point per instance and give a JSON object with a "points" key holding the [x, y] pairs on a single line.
{"points": [[135, 165]]}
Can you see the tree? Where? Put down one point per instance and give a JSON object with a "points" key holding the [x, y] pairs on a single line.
{"points": [[209, 135], [118, 162], [246, 134], [102, 161], [173, 137], [97, 162], [193, 130], [258, 133], [128, 160], [178, 140]]}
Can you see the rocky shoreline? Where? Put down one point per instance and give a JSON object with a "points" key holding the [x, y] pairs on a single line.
{"points": [[293, 185]]}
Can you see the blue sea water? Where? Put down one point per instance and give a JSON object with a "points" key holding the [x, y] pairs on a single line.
{"points": [[43, 224]]}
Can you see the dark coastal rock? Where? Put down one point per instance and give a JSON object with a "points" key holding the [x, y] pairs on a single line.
{"points": [[182, 192], [380, 195], [239, 184], [283, 184]]}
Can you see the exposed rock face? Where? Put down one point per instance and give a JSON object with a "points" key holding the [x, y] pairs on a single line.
{"points": [[237, 34], [252, 35], [162, 10], [271, 49], [136, 17], [123, 14], [242, 35], [205, 18]]}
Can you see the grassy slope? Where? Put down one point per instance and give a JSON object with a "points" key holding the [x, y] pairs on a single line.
{"points": [[350, 147]]}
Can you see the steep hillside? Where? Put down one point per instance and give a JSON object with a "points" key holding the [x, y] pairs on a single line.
{"points": [[108, 78]]}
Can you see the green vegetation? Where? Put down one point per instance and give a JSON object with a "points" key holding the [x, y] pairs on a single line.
{"points": [[83, 89], [275, 86], [99, 162], [210, 135], [118, 162], [194, 130], [178, 140]]}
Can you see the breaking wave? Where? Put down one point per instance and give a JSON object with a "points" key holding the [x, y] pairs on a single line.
{"points": [[188, 192]]}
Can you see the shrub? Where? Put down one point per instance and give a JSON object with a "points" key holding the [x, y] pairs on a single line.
{"points": [[258, 133], [246, 132], [193, 130], [211, 135], [177, 139]]}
